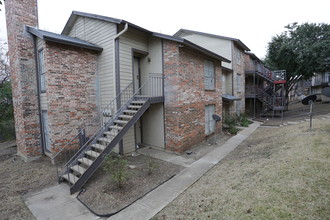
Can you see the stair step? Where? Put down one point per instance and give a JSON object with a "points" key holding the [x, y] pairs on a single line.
{"points": [[120, 122], [116, 127], [104, 139], [125, 116], [134, 106], [138, 102], [70, 178], [100, 147], [92, 153], [87, 162], [110, 133], [78, 169], [130, 111]]}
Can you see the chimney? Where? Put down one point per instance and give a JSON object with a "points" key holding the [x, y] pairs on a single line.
{"points": [[19, 14]]}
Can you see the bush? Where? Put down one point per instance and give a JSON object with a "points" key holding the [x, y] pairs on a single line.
{"points": [[243, 121], [233, 130], [7, 131], [117, 166]]}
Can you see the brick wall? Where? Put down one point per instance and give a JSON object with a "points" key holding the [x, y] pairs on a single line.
{"points": [[70, 90], [239, 72], [185, 97], [23, 76]]}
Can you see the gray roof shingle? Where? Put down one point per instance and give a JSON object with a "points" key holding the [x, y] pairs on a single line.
{"points": [[63, 39]]}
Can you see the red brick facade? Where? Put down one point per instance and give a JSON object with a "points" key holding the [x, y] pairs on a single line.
{"points": [[185, 96], [23, 76], [71, 84]]}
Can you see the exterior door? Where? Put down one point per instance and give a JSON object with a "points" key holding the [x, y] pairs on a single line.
{"points": [[45, 133], [136, 74]]}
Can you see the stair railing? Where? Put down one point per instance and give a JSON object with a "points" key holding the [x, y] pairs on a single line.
{"points": [[65, 156], [87, 131]]}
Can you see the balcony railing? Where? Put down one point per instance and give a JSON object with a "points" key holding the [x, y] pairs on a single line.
{"points": [[254, 67], [320, 79]]}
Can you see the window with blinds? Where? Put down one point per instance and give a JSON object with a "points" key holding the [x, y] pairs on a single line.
{"points": [[209, 82], [209, 122]]}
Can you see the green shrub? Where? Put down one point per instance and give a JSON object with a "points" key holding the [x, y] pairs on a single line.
{"points": [[243, 121], [117, 166], [232, 130], [230, 120]]}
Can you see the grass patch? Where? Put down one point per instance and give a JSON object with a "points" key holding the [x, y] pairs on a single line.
{"points": [[276, 173]]}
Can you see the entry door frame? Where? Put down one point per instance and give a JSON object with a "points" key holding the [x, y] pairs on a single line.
{"points": [[137, 55]]}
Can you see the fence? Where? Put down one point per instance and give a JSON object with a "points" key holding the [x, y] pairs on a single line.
{"points": [[7, 131]]}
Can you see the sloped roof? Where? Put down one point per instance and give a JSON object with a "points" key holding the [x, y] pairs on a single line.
{"points": [[76, 14], [63, 39], [238, 42], [253, 56], [192, 45]]}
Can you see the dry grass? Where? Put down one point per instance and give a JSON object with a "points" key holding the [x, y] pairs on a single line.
{"points": [[277, 173], [18, 178]]}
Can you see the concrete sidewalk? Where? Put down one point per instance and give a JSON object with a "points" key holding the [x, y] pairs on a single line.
{"points": [[156, 200], [56, 203], [47, 203]]}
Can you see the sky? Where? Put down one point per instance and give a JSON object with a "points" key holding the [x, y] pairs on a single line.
{"points": [[254, 22]]}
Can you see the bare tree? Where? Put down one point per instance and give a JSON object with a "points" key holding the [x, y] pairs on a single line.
{"points": [[4, 70]]}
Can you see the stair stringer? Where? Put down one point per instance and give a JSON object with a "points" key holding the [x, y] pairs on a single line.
{"points": [[97, 162]]}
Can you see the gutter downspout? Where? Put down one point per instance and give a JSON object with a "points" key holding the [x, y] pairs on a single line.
{"points": [[38, 93], [116, 74]]}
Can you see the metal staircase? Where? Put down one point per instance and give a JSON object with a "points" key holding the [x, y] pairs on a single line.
{"points": [[114, 125], [272, 96], [81, 168]]}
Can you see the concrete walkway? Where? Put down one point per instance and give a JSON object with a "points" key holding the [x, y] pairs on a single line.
{"points": [[56, 203], [47, 203], [156, 200]]}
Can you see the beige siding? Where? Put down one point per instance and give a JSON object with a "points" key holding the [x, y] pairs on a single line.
{"points": [[132, 39], [153, 126], [155, 62], [100, 33], [216, 45], [129, 141]]}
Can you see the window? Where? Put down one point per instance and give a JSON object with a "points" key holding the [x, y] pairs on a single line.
{"points": [[238, 57], [41, 67], [238, 108], [209, 75], [238, 83], [209, 122]]}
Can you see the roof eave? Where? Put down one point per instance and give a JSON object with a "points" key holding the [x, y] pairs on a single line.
{"points": [[205, 51], [237, 41], [55, 40], [37, 33]]}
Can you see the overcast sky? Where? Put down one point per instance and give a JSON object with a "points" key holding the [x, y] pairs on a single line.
{"points": [[254, 22]]}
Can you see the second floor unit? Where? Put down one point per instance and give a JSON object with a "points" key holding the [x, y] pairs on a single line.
{"points": [[98, 73], [233, 76]]}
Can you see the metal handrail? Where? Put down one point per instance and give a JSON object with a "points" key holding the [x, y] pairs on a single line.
{"points": [[84, 125], [123, 98]]}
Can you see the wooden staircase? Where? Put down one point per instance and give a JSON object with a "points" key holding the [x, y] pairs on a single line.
{"points": [[82, 166]]}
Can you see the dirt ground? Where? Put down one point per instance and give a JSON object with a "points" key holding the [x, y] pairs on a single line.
{"points": [[276, 173], [18, 178], [103, 197]]}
